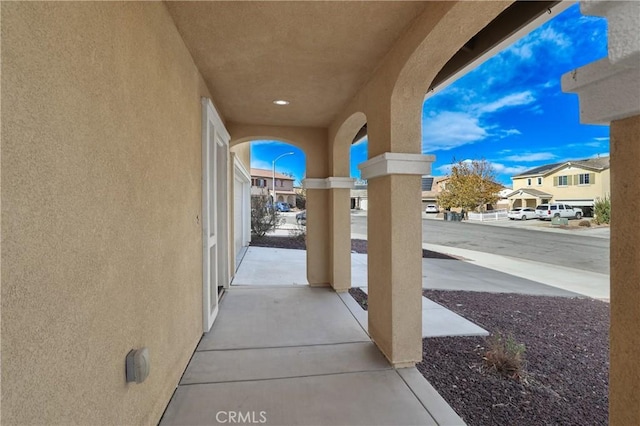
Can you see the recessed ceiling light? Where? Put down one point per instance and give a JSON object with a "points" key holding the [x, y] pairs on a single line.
{"points": [[281, 102]]}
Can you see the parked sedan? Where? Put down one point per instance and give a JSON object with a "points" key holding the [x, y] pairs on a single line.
{"points": [[431, 208], [282, 207], [522, 213]]}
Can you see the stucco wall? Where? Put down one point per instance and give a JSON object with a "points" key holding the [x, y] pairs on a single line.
{"points": [[101, 202], [624, 372], [243, 153]]}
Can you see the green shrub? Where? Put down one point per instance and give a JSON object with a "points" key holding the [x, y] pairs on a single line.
{"points": [[602, 210], [505, 356]]}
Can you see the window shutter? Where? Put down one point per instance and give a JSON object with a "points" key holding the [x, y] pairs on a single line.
{"points": [[576, 179], [592, 178], [555, 181], [569, 180]]}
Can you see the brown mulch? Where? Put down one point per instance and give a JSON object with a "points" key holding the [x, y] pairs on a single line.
{"points": [[357, 246], [279, 242], [565, 378], [360, 297]]}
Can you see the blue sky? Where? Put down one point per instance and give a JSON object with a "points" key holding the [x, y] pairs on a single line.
{"points": [[510, 110]]}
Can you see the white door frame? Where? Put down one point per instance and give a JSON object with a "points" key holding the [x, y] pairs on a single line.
{"points": [[243, 175], [215, 147]]}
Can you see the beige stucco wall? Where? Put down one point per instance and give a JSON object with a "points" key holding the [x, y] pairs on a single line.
{"points": [[599, 189], [624, 373], [243, 153], [101, 232]]}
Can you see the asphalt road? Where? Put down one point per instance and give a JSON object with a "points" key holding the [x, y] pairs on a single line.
{"points": [[573, 251]]}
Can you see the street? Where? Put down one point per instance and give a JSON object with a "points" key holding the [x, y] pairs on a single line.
{"points": [[564, 249]]}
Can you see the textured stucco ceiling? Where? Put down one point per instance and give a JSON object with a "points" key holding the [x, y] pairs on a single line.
{"points": [[314, 54]]}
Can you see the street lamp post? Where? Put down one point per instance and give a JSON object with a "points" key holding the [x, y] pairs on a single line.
{"points": [[273, 178]]}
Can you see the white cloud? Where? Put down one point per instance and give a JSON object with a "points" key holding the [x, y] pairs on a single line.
{"points": [[499, 168], [526, 48], [256, 163], [514, 99], [448, 130], [528, 157], [508, 170]]}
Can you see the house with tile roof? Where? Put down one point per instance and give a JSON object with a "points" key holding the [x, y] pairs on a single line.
{"points": [[578, 183], [262, 182]]}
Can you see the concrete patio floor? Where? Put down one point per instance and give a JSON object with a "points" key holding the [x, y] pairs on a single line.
{"points": [[297, 356]]}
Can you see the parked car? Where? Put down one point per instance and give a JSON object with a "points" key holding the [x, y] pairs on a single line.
{"points": [[549, 211], [522, 213], [301, 218], [431, 208], [282, 207]]}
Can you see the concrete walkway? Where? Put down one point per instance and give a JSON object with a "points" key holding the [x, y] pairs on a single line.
{"points": [[297, 356], [290, 269]]}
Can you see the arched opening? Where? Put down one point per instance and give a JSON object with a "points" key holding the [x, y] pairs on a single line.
{"points": [[511, 112], [359, 205], [276, 203]]}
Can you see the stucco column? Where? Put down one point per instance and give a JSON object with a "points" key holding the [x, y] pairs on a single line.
{"points": [[337, 193], [395, 254], [318, 216], [609, 92]]}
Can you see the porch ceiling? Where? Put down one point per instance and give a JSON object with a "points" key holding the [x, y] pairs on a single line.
{"points": [[316, 55]]}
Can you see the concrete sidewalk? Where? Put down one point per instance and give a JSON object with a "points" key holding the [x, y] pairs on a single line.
{"points": [[510, 275], [297, 356]]}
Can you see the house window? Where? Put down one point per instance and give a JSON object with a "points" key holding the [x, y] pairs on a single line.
{"points": [[539, 181], [584, 179], [529, 182], [562, 180]]}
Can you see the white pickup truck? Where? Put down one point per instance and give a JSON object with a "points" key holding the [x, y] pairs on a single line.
{"points": [[549, 211]]}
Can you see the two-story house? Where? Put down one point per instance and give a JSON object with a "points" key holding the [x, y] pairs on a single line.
{"points": [[262, 182], [578, 183]]}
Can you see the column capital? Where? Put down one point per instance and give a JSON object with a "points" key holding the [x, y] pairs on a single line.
{"points": [[395, 163], [329, 183], [607, 92], [623, 21], [608, 88]]}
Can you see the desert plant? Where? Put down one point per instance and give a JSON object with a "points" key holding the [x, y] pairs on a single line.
{"points": [[263, 216], [505, 356], [585, 223], [602, 210]]}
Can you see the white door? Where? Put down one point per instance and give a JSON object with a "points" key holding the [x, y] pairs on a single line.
{"points": [[214, 219]]}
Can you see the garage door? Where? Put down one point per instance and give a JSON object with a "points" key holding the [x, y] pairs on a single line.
{"points": [[238, 214]]}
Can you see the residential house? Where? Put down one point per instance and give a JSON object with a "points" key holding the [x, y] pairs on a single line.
{"points": [[124, 176], [578, 183], [262, 182], [359, 198], [431, 187]]}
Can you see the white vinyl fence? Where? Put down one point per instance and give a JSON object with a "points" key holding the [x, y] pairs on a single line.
{"points": [[488, 216]]}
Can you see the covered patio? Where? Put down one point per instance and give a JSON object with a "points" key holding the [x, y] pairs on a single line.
{"points": [[123, 127]]}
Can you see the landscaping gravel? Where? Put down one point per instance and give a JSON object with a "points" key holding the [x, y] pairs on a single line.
{"points": [[565, 378]]}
